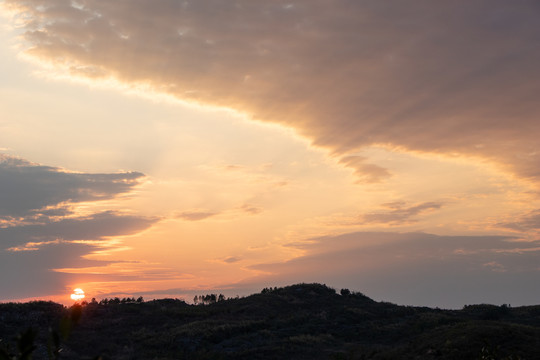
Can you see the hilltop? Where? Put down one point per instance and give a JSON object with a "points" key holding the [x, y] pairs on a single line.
{"points": [[303, 321]]}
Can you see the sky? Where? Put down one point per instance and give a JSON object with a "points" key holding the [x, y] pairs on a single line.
{"points": [[170, 148]]}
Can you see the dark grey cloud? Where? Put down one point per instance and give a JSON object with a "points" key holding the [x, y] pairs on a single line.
{"points": [[94, 227], [28, 188], [31, 273], [40, 230], [31, 253], [417, 268], [457, 77]]}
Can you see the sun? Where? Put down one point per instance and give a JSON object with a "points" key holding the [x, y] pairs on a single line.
{"points": [[78, 294]]}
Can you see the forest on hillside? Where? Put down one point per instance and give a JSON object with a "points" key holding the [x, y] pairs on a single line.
{"points": [[303, 321]]}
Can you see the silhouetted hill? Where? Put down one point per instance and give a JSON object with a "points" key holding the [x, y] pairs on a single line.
{"points": [[304, 321]]}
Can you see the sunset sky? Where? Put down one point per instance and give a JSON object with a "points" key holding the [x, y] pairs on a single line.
{"points": [[167, 148]]}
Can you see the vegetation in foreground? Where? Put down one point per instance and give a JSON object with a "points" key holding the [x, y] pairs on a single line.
{"points": [[304, 321]]}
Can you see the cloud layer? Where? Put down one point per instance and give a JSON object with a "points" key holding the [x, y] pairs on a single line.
{"points": [[95, 227], [453, 77], [33, 188], [417, 268], [40, 229]]}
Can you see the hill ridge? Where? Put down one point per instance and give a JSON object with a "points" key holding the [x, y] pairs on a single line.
{"points": [[298, 321]]}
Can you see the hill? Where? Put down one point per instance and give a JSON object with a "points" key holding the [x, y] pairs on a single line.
{"points": [[304, 321]]}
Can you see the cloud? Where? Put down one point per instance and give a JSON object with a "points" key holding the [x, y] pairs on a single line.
{"points": [[42, 197], [30, 188], [400, 212], [95, 227], [251, 209], [416, 268], [41, 231], [444, 77], [369, 173], [528, 222], [31, 273], [232, 259], [196, 215], [33, 252]]}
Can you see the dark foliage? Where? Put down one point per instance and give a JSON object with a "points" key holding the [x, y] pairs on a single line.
{"points": [[305, 321]]}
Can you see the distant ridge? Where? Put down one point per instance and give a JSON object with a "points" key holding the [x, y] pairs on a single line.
{"points": [[302, 321]]}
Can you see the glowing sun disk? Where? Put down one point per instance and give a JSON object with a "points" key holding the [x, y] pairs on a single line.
{"points": [[78, 294]]}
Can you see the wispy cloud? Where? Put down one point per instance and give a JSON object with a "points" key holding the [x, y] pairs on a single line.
{"points": [[366, 172], [251, 209], [400, 212], [232, 259], [527, 222], [196, 215]]}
